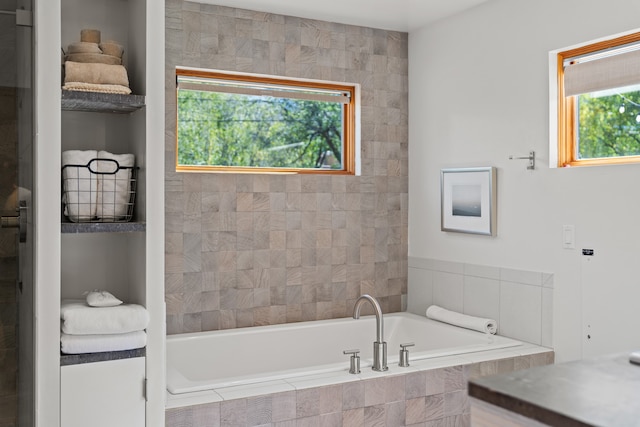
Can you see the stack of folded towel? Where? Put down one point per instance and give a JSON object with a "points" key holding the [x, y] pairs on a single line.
{"points": [[101, 323], [92, 66], [97, 185]]}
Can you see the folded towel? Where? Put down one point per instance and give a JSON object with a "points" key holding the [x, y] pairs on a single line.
{"points": [[77, 344], [114, 189], [80, 186], [488, 326], [95, 73], [78, 318], [92, 87]]}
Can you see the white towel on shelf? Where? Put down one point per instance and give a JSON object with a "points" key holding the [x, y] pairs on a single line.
{"points": [[80, 185], [78, 318], [78, 344], [114, 192], [480, 324]]}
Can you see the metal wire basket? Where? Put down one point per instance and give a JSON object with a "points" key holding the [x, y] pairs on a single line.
{"points": [[100, 191]]}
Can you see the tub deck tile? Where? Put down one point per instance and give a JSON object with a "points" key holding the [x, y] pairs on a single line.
{"points": [[434, 363], [195, 398], [489, 355], [243, 391], [321, 380]]}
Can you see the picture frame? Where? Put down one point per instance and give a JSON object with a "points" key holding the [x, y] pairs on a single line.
{"points": [[468, 200]]}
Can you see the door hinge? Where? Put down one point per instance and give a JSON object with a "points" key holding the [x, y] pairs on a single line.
{"points": [[24, 18], [144, 390]]}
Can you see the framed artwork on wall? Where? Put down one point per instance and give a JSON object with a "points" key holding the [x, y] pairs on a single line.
{"points": [[468, 200]]}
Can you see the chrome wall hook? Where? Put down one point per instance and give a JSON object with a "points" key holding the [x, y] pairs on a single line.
{"points": [[531, 157]]}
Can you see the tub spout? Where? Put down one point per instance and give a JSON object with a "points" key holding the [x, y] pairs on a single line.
{"points": [[379, 346]]}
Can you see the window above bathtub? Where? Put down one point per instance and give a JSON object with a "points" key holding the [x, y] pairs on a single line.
{"points": [[598, 102], [253, 123]]}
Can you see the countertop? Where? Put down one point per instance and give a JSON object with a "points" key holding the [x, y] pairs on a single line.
{"points": [[603, 391], [77, 359]]}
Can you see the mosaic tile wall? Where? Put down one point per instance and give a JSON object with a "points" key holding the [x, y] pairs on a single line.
{"points": [[244, 250]]}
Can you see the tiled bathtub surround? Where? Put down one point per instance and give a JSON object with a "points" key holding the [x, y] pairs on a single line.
{"points": [[251, 249], [520, 301], [428, 393]]}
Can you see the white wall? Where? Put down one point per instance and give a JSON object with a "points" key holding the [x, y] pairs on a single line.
{"points": [[479, 93]]}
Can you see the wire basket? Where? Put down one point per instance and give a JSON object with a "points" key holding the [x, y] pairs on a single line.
{"points": [[100, 191]]}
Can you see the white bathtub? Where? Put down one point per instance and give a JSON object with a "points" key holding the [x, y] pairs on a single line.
{"points": [[218, 359]]}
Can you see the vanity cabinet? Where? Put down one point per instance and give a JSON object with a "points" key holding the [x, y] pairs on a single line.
{"points": [[103, 394]]}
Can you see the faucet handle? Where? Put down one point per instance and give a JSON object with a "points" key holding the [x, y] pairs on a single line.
{"points": [[354, 367], [404, 354]]}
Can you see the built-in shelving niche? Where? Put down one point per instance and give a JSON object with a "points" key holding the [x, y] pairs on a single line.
{"points": [[97, 102]]}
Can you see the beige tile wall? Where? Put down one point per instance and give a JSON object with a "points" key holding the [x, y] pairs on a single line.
{"points": [[244, 250]]}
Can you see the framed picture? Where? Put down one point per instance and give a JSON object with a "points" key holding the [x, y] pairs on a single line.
{"points": [[468, 200]]}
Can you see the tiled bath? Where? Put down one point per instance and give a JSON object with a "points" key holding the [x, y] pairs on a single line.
{"points": [[429, 393]]}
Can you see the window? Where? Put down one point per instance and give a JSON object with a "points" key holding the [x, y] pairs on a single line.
{"points": [[240, 123], [599, 103]]}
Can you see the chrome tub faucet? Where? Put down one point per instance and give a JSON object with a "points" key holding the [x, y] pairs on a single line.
{"points": [[379, 346]]}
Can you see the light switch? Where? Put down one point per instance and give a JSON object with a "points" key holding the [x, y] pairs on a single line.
{"points": [[568, 237]]}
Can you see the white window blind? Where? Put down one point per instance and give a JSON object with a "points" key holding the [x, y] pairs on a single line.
{"points": [[263, 89], [602, 71]]}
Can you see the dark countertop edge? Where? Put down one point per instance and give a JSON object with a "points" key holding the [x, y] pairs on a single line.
{"points": [[521, 407], [78, 359], [99, 102], [102, 227]]}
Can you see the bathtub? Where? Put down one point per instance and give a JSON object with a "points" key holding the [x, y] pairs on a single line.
{"points": [[218, 359]]}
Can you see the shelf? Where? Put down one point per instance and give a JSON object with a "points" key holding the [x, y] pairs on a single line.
{"points": [[77, 359], [102, 227], [101, 102]]}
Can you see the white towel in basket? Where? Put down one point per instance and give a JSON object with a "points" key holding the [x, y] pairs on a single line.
{"points": [[80, 186], [480, 324], [114, 195]]}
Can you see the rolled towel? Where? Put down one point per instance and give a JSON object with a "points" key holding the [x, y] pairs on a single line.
{"points": [[78, 344], [114, 185], [78, 318], [95, 73], [480, 324], [80, 186]]}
